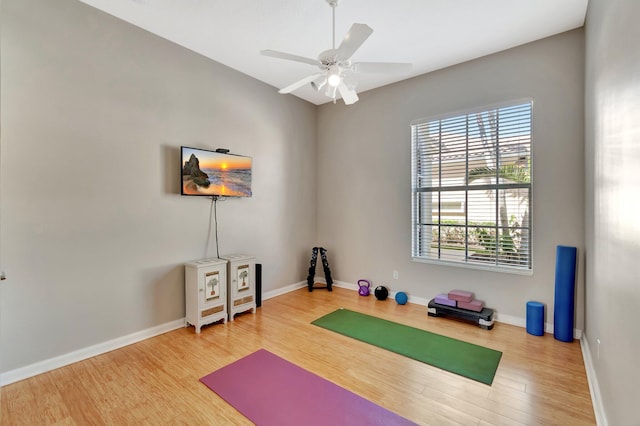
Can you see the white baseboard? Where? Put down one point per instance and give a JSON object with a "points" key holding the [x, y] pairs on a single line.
{"points": [[283, 290], [343, 284], [22, 373], [40, 367], [25, 372], [522, 322], [594, 387]]}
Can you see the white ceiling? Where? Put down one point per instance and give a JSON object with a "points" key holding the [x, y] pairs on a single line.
{"points": [[430, 34]]}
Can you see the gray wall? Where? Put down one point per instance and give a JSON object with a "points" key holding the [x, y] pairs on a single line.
{"points": [[612, 100], [364, 173], [94, 231]]}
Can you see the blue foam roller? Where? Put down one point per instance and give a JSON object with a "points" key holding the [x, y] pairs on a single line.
{"points": [[535, 318], [563, 310]]}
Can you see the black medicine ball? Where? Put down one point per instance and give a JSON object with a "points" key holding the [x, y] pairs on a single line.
{"points": [[381, 292]]}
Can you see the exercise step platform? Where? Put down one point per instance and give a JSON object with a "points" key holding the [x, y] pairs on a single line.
{"points": [[483, 318]]}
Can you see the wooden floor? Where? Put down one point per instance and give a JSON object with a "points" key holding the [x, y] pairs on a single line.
{"points": [[540, 381]]}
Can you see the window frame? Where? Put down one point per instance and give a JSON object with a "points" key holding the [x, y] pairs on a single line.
{"points": [[416, 190]]}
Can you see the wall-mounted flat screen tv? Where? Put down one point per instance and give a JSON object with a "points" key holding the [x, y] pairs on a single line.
{"points": [[208, 173]]}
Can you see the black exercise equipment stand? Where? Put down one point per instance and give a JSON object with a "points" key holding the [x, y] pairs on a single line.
{"points": [[325, 265]]}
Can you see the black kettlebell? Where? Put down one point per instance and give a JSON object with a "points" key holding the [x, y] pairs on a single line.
{"points": [[381, 292]]}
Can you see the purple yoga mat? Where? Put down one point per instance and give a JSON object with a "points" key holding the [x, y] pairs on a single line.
{"points": [[269, 390]]}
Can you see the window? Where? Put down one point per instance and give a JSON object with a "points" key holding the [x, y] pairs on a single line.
{"points": [[471, 188]]}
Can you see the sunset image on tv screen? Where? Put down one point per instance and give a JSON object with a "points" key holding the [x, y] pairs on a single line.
{"points": [[213, 173]]}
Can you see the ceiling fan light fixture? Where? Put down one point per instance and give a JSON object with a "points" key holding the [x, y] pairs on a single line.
{"points": [[334, 78], [331, 91], [319, 83], [349, 80]]}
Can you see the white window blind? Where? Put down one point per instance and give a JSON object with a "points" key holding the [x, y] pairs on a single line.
{"points": [[471, 188]]}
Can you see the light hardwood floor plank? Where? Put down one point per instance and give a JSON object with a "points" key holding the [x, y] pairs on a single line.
{"points": [[540, 381]]}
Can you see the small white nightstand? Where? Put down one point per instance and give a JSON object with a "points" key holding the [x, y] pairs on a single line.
{"points": [[205, 292], [241, 292]]}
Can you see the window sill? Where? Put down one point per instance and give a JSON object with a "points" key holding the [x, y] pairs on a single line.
{"points": [[465, 265]]}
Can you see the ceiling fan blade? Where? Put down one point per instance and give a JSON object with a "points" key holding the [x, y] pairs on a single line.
{"points": [[353, 40], [382, 67], [289, 57], [290, 88], [348, 96]]}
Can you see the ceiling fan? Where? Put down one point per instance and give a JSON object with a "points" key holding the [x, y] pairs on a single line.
{"points": [[337, 74]]}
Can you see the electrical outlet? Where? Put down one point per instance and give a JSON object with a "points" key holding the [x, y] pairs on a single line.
{"points": [[395, 275]]}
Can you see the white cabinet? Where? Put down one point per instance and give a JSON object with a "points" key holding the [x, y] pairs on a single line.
{"points": [[241, 292], [205, 292]]}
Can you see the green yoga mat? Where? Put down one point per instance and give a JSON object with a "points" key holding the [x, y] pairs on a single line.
{"points": [[466, 359]]}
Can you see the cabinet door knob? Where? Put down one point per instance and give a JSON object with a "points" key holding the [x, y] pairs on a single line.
{"points": [[201, 289]]}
